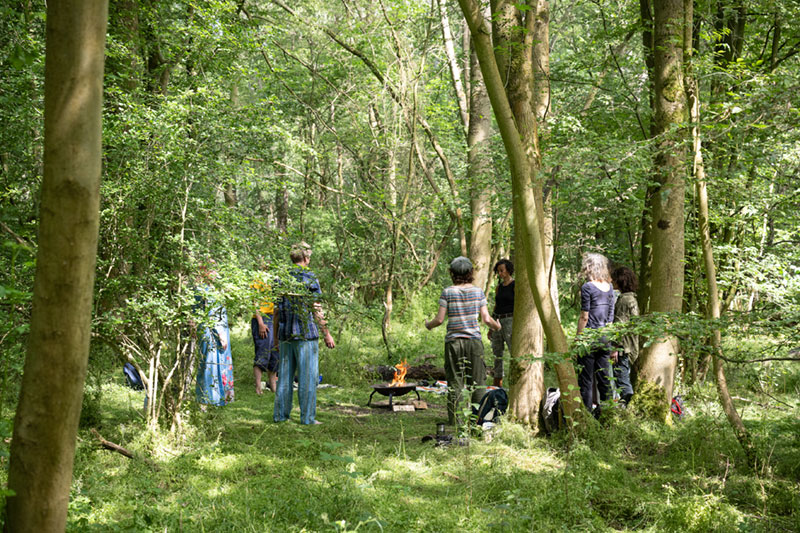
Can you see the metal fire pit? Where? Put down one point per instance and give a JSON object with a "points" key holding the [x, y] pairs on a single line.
{"points": [[391, 392]]}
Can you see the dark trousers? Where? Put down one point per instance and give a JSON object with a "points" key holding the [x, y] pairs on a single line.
{"points": [[463, 367], [594, 369]]}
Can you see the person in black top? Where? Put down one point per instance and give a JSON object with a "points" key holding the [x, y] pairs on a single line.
{"points": [[503, 312], [597, 310]]}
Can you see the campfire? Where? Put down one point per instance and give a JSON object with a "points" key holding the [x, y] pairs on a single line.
{"points": [[399, 379], [398, 386]]}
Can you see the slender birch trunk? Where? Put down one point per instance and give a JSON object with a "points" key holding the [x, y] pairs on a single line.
{"points": [[713, 309]]}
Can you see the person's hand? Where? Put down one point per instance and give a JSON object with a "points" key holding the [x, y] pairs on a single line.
{"points": [[329, 340], [262, 330], [489, 335], [615, 356], [223, 343]]}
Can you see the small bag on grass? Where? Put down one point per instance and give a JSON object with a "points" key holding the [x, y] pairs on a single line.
{"points": [[551, 414], [493, 405]]}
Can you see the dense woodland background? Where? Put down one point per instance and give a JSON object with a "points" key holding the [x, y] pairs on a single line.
{"points": [[233, 129]]}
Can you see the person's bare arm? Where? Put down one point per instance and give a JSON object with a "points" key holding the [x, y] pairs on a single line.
{"points": [[262, 327], [488, 320], [582, 321], [437, 320], [319, 318]]}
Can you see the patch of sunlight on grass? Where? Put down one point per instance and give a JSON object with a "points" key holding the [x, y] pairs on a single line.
{"points": [[219, 490], [412, 466], [506, 458], [219, 463]]}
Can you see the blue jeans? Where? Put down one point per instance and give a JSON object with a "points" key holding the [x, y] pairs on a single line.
{"points": [[622, 376], [302, 356]]}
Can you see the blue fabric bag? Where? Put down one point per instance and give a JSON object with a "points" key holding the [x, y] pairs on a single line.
{"points": [[132, 377]]}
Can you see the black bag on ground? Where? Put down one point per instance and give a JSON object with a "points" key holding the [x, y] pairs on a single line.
{"points": [[551, 414], [132, 377], [493, 404]]}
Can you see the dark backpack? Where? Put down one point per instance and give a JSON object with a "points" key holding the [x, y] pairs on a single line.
{"points": [[493, 404], [551, 414], [132, 377], [676, 407]]}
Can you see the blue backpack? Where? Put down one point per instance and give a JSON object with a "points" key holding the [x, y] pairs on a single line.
{"points": [[132, 377], [493, 404]]}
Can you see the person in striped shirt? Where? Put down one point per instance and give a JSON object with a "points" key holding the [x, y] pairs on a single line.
{"points": [[462, 303]]}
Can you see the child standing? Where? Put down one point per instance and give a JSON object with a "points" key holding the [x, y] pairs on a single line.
{"points": [[462, 303]]}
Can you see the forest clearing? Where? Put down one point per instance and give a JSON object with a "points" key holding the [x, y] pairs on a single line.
{"points": [[368, 469], [209, 205]]}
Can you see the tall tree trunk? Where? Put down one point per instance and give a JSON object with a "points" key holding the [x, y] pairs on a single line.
{"points": [[455, 69], [542, 108], [646, 252], [479, 170], [713, 309], [477, 129], [46, 422], [525, 378], [531, 242], [517, 62], [666, 290]]}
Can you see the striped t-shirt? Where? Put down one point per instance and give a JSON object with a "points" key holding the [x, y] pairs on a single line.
{"points": [[463, 305]]}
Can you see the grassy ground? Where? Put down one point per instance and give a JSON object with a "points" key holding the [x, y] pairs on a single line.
{"points": [[368, 469]]}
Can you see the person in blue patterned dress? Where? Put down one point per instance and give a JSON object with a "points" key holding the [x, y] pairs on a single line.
{"points": [[215, 369]]}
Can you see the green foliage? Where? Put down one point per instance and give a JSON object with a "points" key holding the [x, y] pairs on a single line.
{"points": [[649, 401], [209, 100], [232, 468]]}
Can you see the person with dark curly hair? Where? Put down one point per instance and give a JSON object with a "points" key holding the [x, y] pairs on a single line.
{"points": [[627, 352], [503, 313], [462, 303]]}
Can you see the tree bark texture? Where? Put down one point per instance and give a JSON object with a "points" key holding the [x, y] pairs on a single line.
{"points": [[479, 170], [455, 69], [521, 172], [46, 422], [513, 37], [525, 378], [659, 360]]}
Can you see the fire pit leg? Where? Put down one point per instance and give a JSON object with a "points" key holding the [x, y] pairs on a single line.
{"points": [[390, 400], [370, 397], [417, 393]]}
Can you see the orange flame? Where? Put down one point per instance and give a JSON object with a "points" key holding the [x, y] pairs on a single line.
{"points": [[400, 374]]}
